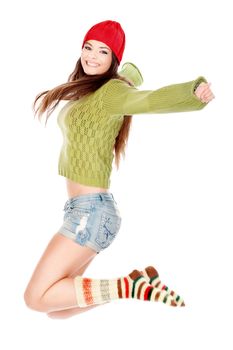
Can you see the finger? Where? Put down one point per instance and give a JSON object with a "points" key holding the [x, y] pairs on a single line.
{"points": [[201, 89], [207, 98], [206, 91], [203, 97], [199, 92], [201, 86], [206, 94], [207, 87]]}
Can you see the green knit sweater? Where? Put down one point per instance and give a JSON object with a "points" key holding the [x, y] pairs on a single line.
{"points": [[90, 125]]}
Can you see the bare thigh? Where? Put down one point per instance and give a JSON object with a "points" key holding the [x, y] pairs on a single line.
{"points": [[61, 258], [76, 310]]}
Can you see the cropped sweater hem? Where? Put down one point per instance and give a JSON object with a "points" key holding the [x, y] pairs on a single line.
{"points": [[84, 180]]}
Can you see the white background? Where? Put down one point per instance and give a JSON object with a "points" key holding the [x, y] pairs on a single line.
{"points": [[174, 188]]}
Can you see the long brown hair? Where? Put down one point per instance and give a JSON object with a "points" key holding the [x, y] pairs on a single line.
{"points": [[80, 84]]}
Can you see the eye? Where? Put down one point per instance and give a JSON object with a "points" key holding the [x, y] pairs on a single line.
{"points": [[86, 47], [104, 52]]}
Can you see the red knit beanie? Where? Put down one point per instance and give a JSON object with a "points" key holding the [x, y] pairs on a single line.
{"points": [[110, 33]]}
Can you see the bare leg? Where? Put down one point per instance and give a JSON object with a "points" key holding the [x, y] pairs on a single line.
{"points": [[51, 288], [76, 310]]}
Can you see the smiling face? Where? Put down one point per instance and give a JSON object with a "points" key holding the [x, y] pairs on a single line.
{"points": [[96, 57]]}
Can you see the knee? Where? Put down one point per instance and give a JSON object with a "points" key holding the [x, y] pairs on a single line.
{"points": [[33, 301]]}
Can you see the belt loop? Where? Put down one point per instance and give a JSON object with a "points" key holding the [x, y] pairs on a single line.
{"points": [[101, 197]]}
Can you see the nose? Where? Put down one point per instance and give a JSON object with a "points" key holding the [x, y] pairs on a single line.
{"points": [[92, 54]]}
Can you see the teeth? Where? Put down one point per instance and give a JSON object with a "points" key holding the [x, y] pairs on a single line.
{"points": [[92, 64]]}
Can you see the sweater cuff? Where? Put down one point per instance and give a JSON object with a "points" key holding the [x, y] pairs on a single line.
{"points": [[131, 72], [195, 85], [197, 82]]}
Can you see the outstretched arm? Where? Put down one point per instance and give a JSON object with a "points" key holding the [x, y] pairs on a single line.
{"points": [[132, 73], [120, 98]]}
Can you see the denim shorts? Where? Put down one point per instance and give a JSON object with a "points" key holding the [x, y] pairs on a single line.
{"points": [[91, 220]]}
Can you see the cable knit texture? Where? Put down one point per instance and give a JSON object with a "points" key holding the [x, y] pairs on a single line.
{"points": [[90, 125]]}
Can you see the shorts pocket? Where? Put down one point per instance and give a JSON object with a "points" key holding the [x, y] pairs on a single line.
{"points": [[74, 214], [75, 221], [109, 226]]}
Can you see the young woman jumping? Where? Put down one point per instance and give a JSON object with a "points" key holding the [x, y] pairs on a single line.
{"points": [[95, 124]]}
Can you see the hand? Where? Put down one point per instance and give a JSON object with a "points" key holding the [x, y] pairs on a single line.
{"points": [[204, 93]]}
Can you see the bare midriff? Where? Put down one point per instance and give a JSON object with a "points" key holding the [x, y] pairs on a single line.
{"points": [[75, 189]]}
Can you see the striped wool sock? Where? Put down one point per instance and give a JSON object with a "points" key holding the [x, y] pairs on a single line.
{"points": [[152, 277], [99, 291]]}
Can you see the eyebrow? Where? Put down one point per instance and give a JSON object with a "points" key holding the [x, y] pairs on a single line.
{"points": [[101, 47]]}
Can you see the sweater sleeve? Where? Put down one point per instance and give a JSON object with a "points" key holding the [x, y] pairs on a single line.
{"points": [[122, 99], [132, 73]]}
